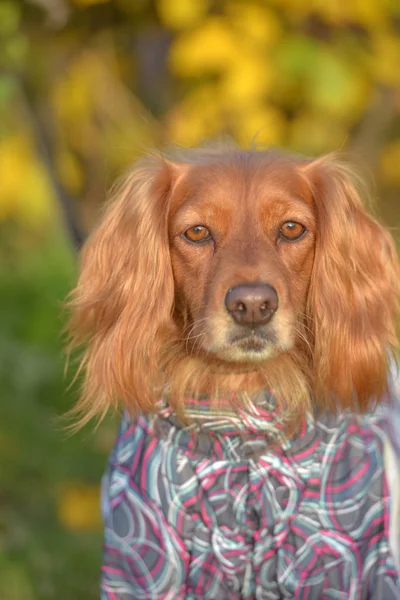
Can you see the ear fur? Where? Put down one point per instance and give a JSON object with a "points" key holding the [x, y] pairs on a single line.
{"points": [[353, 296], [121, 307]]}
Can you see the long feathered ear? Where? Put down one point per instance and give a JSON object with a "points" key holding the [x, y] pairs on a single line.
{"points": [[353, 297], [121, 307]]}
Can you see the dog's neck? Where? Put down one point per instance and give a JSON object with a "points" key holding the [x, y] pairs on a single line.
{"points": [[262, 396]]}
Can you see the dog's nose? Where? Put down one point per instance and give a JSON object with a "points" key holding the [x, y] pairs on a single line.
{"points": [[252, 304]]}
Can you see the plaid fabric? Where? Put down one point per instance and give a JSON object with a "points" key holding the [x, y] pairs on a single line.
{"points": [[224, 515]]}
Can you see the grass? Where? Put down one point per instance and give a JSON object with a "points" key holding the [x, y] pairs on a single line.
{"points": [[50, 543]]}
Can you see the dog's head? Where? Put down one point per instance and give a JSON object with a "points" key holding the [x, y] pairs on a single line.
{"points": [[222, 262]]}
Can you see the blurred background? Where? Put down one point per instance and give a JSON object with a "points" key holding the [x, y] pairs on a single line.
{"points": [[85, 87]]}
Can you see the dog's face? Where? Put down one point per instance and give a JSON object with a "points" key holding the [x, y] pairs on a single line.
{"points": [[242, 241], [223, 269]]}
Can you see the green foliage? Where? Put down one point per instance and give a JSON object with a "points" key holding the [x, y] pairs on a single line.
{"points": [[42, 557]]}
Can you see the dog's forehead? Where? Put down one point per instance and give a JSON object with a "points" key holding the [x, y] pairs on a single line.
{"points": [[251, 176], [280, 178]]}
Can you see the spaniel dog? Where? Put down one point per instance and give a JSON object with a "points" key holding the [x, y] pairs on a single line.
{"points": [[241, 306]]}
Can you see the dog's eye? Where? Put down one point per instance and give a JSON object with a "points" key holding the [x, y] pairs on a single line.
{"points": [[292, 230], [198, 234]]}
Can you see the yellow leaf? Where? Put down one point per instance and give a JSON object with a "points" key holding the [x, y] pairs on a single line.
{"points": [[385, 62], [247, 81], [196, 118], [209, 49], [311, 133], [263, 125], [186, 129], [179, 14], [79, 507], [36, 204], [254, 23], [72, 94], [390, 163], [371, 14], [25, 193]]}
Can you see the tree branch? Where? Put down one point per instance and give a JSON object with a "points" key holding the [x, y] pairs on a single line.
{"points": [[44, 148]]}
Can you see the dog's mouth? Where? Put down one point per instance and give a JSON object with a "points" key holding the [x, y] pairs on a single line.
{"points": [[251, 344], [253, 341], [245, 345]]}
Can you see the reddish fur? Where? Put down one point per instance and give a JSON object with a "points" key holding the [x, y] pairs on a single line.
{"points": [[143, 292]]}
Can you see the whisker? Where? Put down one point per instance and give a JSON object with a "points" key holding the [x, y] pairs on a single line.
{"points": [[306, 316], [191, 326], [195, 337], [305, 340], [197, 341]]}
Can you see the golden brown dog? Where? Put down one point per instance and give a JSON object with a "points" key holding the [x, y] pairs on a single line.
{"points": [[221, 270]]}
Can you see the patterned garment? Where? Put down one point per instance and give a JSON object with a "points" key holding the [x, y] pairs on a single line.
{"points": [[224, 515]]}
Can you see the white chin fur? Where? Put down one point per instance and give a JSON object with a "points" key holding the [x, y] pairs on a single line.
{"points": [[240, 355]]}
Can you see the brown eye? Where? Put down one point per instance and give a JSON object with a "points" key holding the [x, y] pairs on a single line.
{"points": [[198, 234], [291, 230]]}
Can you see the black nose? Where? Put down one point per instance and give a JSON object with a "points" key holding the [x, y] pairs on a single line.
{"points": [[252, 304]]}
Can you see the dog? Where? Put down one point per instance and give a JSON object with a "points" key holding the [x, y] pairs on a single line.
{"points": [[241, 306]]}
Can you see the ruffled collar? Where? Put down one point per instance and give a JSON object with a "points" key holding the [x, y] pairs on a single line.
{"points": [[244, 414]]}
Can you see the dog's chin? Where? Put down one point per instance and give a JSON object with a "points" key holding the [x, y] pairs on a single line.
{"points": [[247, 351], [246, 354]]}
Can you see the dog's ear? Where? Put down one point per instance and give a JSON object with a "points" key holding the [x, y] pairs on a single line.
{"points": [[121, 307], [354, 291]]}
